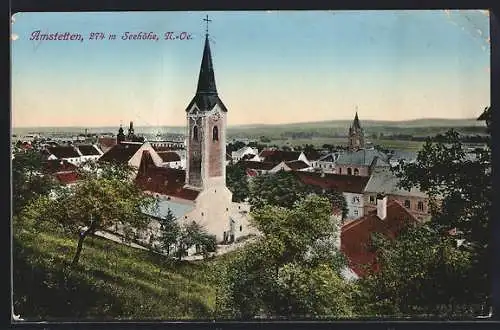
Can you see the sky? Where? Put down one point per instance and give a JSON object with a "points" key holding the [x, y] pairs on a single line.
{"points": [[270, 66]]}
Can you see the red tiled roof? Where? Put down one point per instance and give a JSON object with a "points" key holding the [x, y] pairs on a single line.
{"points": [[163, 180], [356, 236], [169, 156], [56, 165], [296, 165], [254, 165], [342, 183], [67, 177]]}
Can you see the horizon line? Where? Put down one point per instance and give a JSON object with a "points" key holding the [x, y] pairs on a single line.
{"points": [[263, 124]]}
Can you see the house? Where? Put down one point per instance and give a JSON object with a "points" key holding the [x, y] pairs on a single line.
{"points": [[404, 156], [383, 181], [130, 153], [388, 219], [89, 152], [67, 153], [245, 152], [360, 162], [351, 187], [254, 168], [326, 163], [172, 159], [294, 165], [71, 153], [106, 142], [278, 156], [62, 170]]}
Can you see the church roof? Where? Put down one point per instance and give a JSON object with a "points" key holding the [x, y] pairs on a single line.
{"points": [[163, 205], [355, 236], [206, 93], [360, 157], [120, 153], [163, 180]]}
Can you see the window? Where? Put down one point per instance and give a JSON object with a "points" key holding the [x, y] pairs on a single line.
{"points": [[349, 171], [356, 171], [356, 213], [241, 228], [372, 199], [407, 203], [195, 133], [355, 199], [201, 213], [420, 206], [215, 134], [340, 170]]}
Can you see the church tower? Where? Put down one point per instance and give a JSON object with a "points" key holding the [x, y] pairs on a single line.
{"points": [[120, 137], [356, 135], [206, 130]]}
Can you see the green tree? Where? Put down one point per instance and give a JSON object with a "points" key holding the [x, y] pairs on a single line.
{"points": [[288, 272], [28, 179], [279, 189], [169, 232], [237, 182], [419, 275], [460, 191], [192, 234], [95, 203]]}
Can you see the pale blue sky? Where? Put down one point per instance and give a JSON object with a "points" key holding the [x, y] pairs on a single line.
{"points": [[271, 67]]}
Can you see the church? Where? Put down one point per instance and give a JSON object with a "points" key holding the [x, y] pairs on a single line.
{"points": [[199, 192]]}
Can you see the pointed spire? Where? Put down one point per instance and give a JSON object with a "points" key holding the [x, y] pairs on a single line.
{"points": [[206, 79], [355, 123]]}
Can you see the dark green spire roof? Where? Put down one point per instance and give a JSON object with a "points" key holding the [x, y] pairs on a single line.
{"points": [[206, 93]]}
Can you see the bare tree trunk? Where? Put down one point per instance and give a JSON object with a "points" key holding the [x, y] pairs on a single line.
{"points": [[79, 247]]}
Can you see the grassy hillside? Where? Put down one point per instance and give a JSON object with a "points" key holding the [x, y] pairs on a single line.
{"points": [[112, 281]]}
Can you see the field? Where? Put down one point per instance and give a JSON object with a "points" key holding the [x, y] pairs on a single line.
{"points": [[319, 142], [111, 279]]}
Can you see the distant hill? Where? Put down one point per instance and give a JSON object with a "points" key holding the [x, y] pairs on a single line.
{"points": [[424, 122], [259, 128]]}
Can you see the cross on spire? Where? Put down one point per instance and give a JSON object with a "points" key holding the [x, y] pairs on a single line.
{"points": [[206, 19]]}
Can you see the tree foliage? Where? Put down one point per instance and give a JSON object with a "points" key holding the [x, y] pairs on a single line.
{"points": [[97, 202], [423, 271], [28, 181], [237, 182], [287, 273], [284, 189]]}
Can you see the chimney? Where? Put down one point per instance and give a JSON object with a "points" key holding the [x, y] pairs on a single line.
{"points": [[381, 206]]}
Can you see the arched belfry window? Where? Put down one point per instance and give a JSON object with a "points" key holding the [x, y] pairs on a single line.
{"points": [[215, 134], [195, 133]]}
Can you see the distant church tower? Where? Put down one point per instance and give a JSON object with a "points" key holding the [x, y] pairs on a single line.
{"points": [[120, 137], [206, 126], [356, 135]]}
